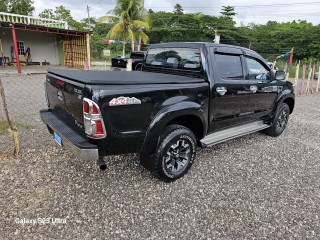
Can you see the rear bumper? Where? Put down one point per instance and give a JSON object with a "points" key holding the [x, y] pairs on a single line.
{"points": [[71, 140]]}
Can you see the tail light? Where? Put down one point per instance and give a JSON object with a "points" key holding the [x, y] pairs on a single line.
{"points": [[93, 122]]}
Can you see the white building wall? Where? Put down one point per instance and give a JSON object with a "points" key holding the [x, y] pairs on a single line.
{"points": [[6, 39], [43, 46]]}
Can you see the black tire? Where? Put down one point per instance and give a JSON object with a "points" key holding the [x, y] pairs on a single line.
{"points": [[175, 154], [138, 67], [280, 121]]}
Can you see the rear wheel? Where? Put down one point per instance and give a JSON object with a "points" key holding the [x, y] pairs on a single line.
{"points": [[280, 121], [138, 67], [175, 154]]}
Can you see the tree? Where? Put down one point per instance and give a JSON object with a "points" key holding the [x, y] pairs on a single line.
{"points": [[129, 22], [4, 6], [85, 23], [228, 11], [48, 14], [171, 27], [274, 39], [178, 9], [63, 14], [22, 7]]}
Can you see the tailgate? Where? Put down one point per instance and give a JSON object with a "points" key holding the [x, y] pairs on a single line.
{"points": [[119, 62], [65, 96]]}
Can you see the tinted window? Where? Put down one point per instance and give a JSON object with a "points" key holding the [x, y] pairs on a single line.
{"points": [[177, 58], [257, 70], [229, 66]]}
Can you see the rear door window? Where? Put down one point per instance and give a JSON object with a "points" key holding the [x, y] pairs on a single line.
{"points": [[229, 66]]}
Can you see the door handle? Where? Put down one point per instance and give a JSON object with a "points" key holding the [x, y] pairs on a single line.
{"points": [[221, 90], [253, 88]]}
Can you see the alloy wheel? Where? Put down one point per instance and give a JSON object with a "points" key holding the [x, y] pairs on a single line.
{"points": [[178, 156], [282, 120]]}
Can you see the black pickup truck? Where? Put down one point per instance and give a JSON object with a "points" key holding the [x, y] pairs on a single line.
{"points": [[187, 95], [137, 60]]}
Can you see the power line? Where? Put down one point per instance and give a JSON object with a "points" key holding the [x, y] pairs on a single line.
{"points": [[280, 4], [245, 6], [284, 15], [97, 3]]}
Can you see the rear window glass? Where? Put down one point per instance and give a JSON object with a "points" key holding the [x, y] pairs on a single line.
{"points": [[229, 66], [176, 58]]}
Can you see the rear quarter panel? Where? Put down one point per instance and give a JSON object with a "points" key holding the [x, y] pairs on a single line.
{"points": [[127, 125]]}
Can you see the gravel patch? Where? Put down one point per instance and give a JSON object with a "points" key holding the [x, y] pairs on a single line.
{"points": [[251, 187]]}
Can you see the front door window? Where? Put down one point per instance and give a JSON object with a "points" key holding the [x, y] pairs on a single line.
{"points": [[257, 71]]}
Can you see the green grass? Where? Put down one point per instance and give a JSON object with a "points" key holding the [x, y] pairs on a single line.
{"points": [[4, 126]]}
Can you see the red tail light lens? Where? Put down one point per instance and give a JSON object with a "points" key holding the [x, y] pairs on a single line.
{"points": [[94, 110], [60, 83], [99, 128], [85, 107]]}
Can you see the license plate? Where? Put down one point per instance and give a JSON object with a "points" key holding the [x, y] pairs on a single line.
{"points": [[57, 138]]}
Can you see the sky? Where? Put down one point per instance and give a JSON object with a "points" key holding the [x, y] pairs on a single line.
{"points": [[248, 11]]}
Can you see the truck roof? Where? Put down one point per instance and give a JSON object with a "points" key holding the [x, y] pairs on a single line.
{"points": [[206, 45], [195, 45]]}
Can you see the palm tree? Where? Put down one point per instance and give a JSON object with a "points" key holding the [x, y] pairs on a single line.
{"points": [[130, 23]]}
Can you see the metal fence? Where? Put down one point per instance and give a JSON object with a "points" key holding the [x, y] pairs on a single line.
{"points": [[24, 95]]}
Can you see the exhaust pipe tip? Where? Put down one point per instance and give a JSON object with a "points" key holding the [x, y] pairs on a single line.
{"points": [[103, 167], [102, 164]]}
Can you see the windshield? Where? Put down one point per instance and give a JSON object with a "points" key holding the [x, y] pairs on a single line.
{"points": [[176, 58]]}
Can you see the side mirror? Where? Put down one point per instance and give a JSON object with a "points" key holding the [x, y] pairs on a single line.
{"points": [[280, 75]]}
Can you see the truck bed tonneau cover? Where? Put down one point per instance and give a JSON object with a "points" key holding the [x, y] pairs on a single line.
{"points": [[121, 77]]}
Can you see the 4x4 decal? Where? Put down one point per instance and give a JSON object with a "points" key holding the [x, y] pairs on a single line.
{"points": [[120, 101]]}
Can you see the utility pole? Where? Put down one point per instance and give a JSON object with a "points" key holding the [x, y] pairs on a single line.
{"points": [[89, 23], [89, 39], [142, 12]]}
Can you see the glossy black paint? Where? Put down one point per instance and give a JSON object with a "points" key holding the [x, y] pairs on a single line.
{"points": [[129, 127], [66, 95], [136, 128]]}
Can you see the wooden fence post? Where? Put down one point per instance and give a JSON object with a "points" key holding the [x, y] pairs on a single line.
{"points": [[312, 76], [318, 84], [308, 81], [12, 130], [303, 79], [297, 76]]}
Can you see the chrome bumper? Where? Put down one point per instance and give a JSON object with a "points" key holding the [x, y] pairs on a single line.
{"points": [[71, 140]]}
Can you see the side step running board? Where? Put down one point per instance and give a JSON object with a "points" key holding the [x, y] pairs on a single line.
{"points": [[234, 132]]}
